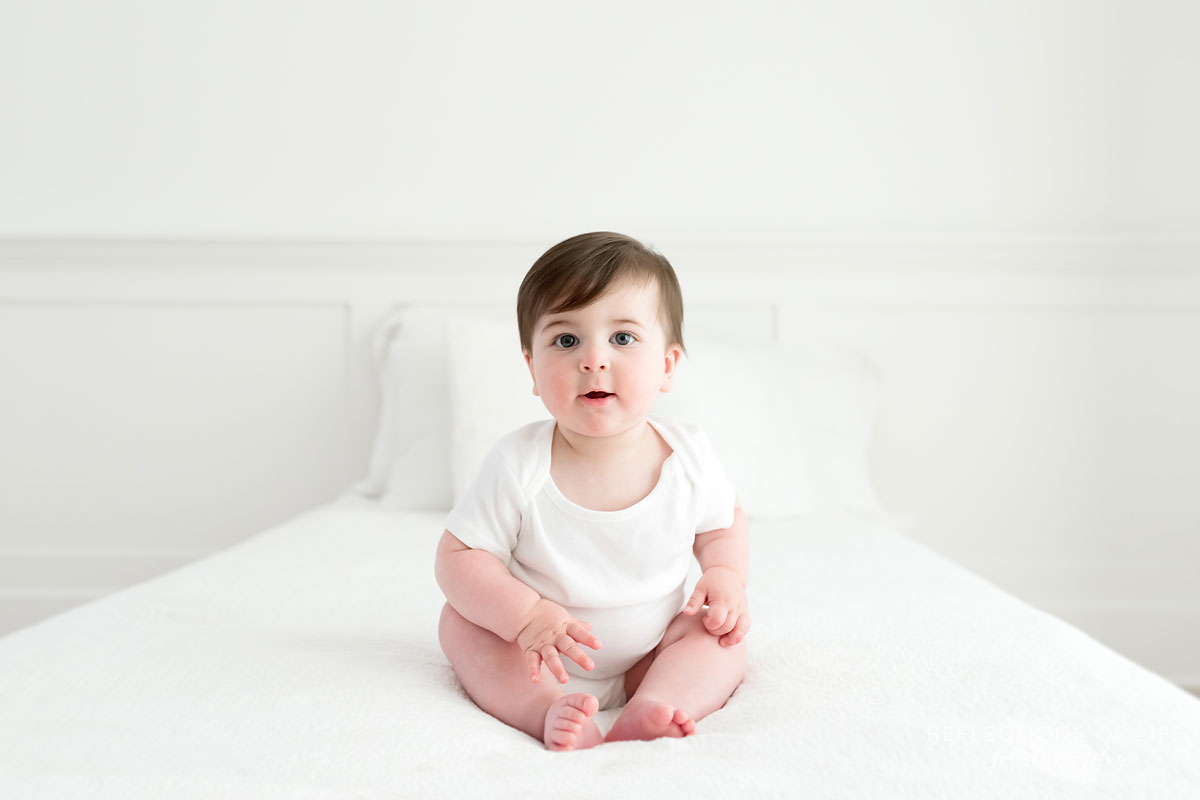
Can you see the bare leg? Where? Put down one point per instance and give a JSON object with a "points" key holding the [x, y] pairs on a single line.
{"points": [[689, 677], [496, 676]]}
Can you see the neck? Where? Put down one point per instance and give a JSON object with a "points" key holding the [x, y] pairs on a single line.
{"points": [[609, 450]]}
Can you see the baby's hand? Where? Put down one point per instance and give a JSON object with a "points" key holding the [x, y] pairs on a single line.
{"points": [[722, 591], [550, 630]]}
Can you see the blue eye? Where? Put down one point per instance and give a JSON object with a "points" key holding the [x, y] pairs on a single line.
{"points": [[566, 341]]}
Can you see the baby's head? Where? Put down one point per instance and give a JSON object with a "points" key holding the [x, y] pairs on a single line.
{"points": [[600, 311]]}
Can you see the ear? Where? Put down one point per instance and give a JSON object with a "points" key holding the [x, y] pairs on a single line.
{"points": [[529, 363], [670, 364]]}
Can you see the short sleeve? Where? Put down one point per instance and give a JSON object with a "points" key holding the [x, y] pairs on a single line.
{"points": [[488, 515], [717, 494]]}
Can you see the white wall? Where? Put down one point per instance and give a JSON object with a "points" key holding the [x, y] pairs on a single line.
{"points": [[368, 119]]}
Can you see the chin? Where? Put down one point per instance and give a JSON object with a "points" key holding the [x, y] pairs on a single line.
{"points": [[590, 427], [611, 427]]}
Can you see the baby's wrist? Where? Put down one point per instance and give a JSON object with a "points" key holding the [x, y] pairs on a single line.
{"points": [[525, 619], [740, 579]]}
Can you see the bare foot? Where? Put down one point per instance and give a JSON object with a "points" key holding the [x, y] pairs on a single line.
{"points": [[569, 723], [650, 719]]}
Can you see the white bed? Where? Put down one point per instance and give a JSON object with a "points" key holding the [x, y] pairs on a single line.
{"points": [[304, 662]]}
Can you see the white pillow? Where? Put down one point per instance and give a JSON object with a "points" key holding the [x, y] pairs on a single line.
{"points": [[792, 424], [765, 445], [491, 392], [839, 396], [805, 418], [410, 460]]}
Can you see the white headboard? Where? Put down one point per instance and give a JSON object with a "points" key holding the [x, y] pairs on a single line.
{"points": [[164, 399]]}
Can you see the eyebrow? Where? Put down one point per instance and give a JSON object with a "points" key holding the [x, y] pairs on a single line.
{"points": [[558, 322]]}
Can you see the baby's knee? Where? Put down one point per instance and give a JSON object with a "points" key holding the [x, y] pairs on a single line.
{"points": [[453, 629], [691, 627], [450, 616], [682, 626], [445, 622], [471, 646]]}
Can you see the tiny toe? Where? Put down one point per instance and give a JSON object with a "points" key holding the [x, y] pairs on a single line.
{"points": [[585, 703], [660, 715], [569, 723]]}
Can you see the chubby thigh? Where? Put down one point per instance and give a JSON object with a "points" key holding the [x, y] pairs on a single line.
{"points": [[626, 634]]}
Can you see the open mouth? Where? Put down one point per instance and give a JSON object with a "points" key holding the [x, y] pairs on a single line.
{"points": [[598, 395]]}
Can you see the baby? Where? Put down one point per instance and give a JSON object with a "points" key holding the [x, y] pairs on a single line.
{"points": [[581, 529]]}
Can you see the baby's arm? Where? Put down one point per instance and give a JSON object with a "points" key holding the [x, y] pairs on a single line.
{"points": [[724, 557], [480, 587]]}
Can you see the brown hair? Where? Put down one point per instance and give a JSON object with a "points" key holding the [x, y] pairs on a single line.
{"points": [[577, 271]]}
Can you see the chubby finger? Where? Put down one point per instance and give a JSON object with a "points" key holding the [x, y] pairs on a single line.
{"points": [[550, 656], [726, 626], [571, 649], [694, 602], [715, 617], [582, 635], [738, 633], [534, 659]]}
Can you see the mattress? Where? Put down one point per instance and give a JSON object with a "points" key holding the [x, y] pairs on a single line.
{"points": [[304, 663]]}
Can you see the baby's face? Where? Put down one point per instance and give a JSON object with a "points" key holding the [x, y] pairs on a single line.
{"points": [[615, 345]]}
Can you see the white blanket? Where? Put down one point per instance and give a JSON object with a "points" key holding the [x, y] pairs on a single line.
{"points": [[304, 663]]}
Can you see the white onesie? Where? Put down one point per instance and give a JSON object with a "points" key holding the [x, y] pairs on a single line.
{"points": [[623, 571]]}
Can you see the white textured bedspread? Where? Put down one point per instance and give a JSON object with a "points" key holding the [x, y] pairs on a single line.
{"points": [[304, 663]]}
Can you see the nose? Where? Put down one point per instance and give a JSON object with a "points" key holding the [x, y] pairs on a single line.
{"points": [[593, 359]]}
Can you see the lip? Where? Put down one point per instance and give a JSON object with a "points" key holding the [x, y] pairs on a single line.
{"points": [[596, 401]]}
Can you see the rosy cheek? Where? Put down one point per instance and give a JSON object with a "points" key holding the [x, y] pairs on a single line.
{"points": [[561, 387]]}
